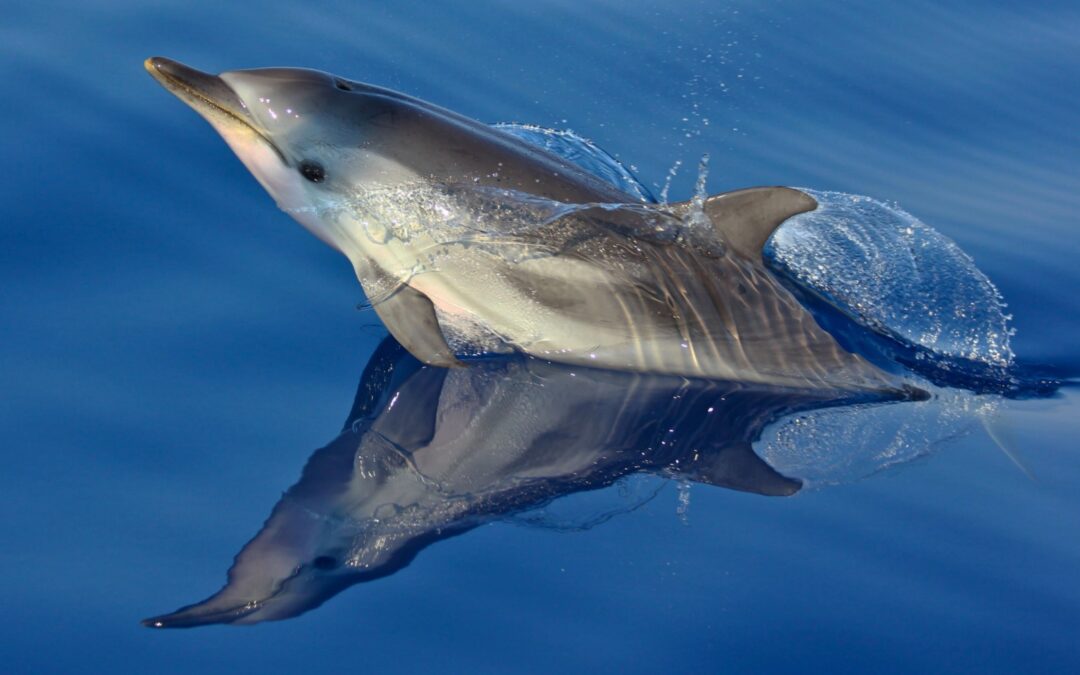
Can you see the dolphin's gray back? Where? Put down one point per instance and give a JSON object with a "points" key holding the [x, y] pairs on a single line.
{"points": [[445, 147]]}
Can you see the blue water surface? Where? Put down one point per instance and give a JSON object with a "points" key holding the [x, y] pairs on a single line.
{"points": [[175, 348]]}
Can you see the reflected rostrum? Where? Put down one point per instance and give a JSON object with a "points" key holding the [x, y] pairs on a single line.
{"points": [[430, 453]]}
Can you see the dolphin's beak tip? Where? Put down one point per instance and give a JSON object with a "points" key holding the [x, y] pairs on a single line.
{"points": [[154, 622], [181, 618], [158, 67], [178, 619], [156, 63]]}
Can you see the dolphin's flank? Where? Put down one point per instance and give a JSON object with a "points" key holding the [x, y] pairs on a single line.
{"points": [[465, 237]]}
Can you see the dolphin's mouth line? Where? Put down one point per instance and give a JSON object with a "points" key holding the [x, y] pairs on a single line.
{"points": [[228, 615], [175, 83], [220, 616]]}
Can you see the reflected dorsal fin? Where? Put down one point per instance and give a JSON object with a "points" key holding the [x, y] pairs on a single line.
{"points": [[738, 467], [747, 218], [389, 365]]}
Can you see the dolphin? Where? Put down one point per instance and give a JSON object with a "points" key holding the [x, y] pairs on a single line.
{"points": [[467, 239], [428, 453]]}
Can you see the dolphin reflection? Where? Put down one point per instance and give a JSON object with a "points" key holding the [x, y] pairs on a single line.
{"points": [[428, 453]]}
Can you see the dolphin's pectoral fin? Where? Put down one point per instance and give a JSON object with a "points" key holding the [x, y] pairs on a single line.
{"points": [[410, 317], [738, 467], [747, 218]]}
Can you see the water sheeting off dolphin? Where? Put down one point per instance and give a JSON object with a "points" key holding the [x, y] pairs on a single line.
{"points": [[428, 453], [466, 238]]}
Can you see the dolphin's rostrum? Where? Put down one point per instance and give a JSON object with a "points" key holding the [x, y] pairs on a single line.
{"points": [[428, 453], [466, 238]]}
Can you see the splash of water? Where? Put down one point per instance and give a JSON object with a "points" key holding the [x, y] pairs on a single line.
{"points": [[672, 172], [890, 272], [583, 153]]}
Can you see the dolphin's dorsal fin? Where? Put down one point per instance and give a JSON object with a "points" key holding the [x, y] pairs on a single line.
{"points": [[737, 467], [747, 218], [410, 317]]}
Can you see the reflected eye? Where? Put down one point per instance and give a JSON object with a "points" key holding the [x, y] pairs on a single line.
{"points": [[312, 171], [324, 562]]}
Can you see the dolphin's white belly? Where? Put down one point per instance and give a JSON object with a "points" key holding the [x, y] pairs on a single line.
{"points": [[474, 289], [563, 308]]}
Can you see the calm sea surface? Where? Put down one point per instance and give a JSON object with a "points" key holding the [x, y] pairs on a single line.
{"points": [[174, 348]]}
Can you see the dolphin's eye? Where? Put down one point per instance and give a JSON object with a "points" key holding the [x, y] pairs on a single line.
{"points": [[312, 171], [324, 562], [343, 85]]}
